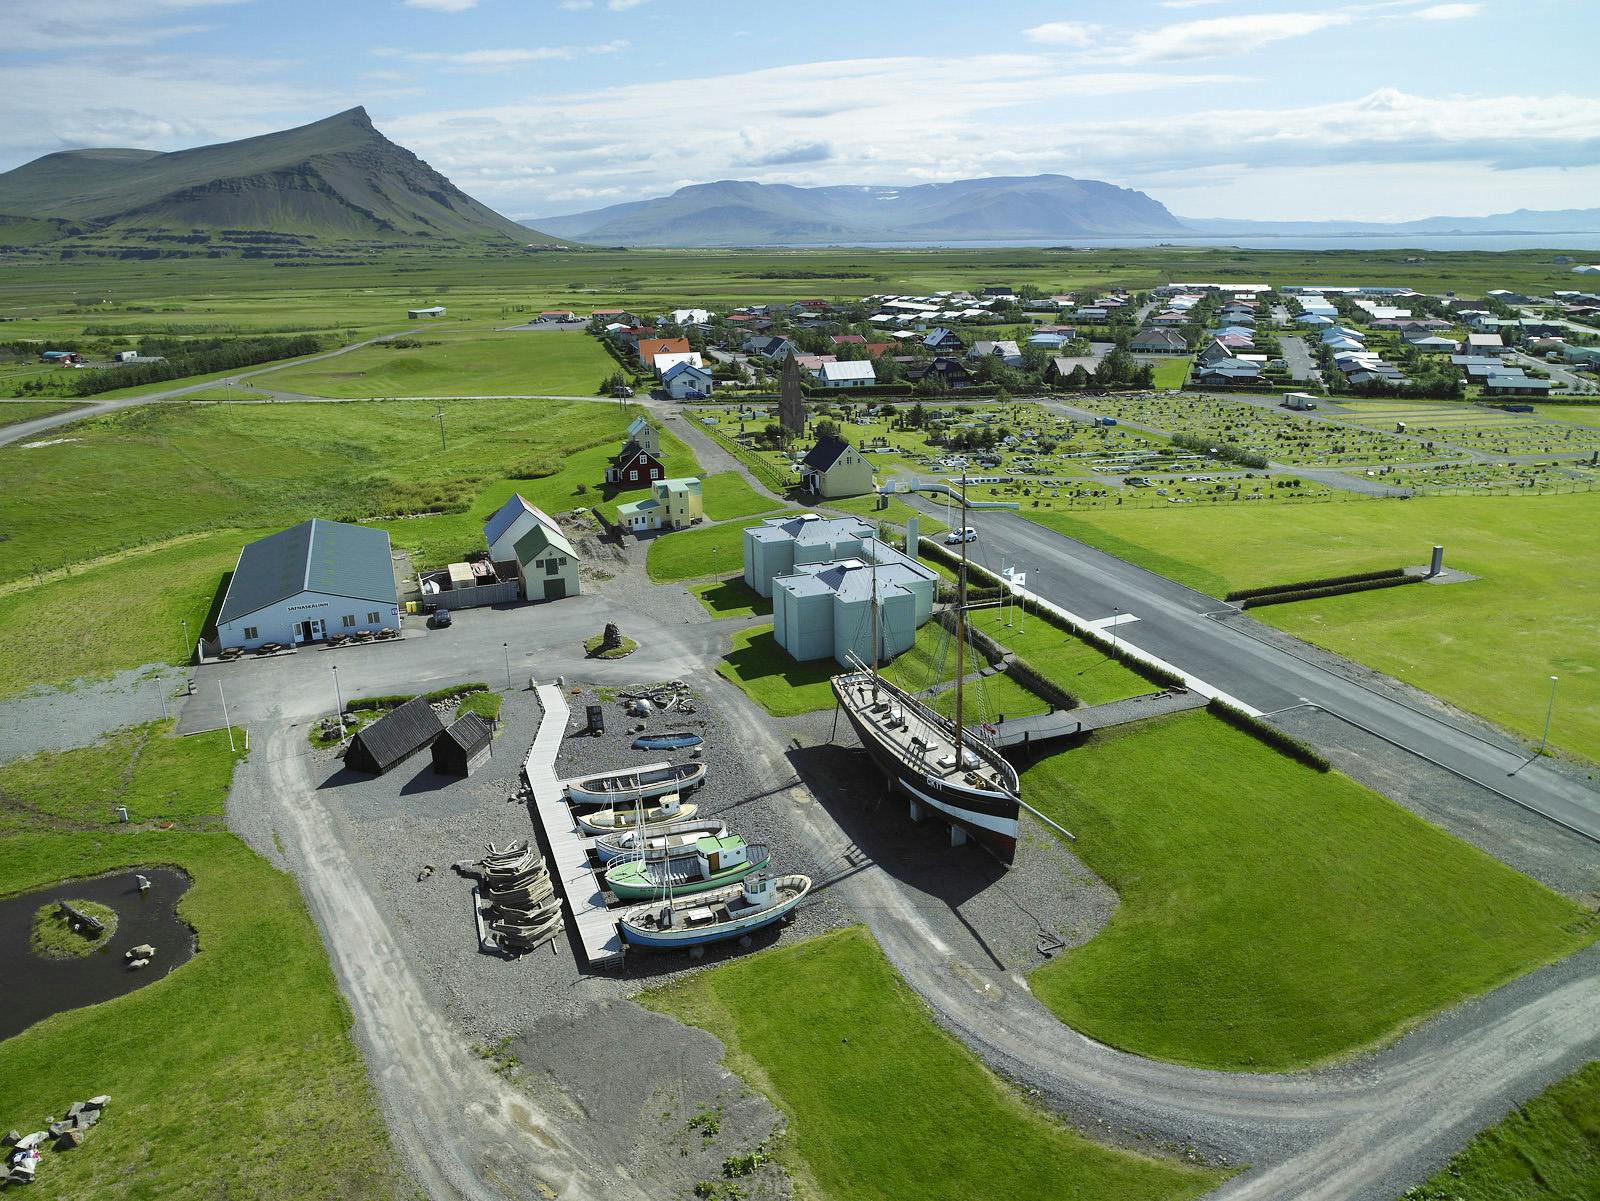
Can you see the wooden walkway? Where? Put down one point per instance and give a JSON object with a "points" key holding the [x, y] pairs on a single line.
{"points": [[1062, 723], [569, 848]]}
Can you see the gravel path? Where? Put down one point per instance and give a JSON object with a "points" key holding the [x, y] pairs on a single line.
{"points": [[58, 719]]}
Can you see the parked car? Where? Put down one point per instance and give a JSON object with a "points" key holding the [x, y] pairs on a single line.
{"points": [[441, 618], [954, 537]]}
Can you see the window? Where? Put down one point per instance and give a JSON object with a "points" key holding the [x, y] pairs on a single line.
{"points": [[250, 633], [552, 568], [633, 477], [349, 620], [372, 619]]}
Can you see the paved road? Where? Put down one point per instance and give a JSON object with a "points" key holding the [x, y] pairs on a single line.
{"points": [[1172, 623], [26, 430], [1562, 377], [1297, 356]]}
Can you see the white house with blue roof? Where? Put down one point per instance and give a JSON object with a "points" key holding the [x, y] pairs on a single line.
{"points": [[307, 583]]}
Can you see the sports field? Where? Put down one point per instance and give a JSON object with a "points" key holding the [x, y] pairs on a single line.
{"points": [[1272, 916]]}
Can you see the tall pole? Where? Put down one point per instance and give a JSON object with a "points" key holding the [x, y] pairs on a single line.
{"points": [[186, 647], [506, 647], [1022, 614], [338, 700], [440, 416], [225, 720], [1116, 615], [1548, 709]]}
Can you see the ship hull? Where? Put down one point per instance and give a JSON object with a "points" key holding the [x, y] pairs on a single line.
{"points": [[992, 819]]}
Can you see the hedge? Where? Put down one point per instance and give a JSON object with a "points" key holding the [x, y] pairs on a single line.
{"points": [[395, 700], [1359, 577], [1280, 741], [455, 690], [1019, 669], [1283, 598]]}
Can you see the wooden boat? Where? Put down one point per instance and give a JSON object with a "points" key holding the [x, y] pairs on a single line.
{"points": [[711, 862], [520, 896], [636, 784], [943, 764], [606, 821], [517, 937], [660, 842], [668, 740], [511, 874], [757, 902]]}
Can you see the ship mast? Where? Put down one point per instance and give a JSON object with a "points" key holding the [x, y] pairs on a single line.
{"points": [[961, 624], [874, 604]]}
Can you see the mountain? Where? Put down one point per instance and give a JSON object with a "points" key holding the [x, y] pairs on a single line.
{"points": [[740, 213], [336, 180], [1522, 221]]}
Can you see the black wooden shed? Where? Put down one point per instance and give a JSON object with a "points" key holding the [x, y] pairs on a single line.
{"points": [[398, 734], [463, 747]]}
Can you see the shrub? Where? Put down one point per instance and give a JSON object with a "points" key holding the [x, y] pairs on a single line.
{"points": [[1303, 594], [375, 703], [1359, 577], [455, 690], [1279, 740]]}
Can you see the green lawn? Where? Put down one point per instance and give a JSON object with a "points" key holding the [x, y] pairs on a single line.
{"points": [[484, 704], [235, 1075], [779, 684], [1546, 1150], [16, 411], [731, 598], [1171, 373], [469, 361], [1489, 646], [728, 495], [1076, 665], [83, 625], [1272, 916], [1577, 414], [897, 513], [883, 1105], [991, 698], [695, 553]]}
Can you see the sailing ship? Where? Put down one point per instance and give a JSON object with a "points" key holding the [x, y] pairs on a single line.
{"points": [[711, 862], [943, 763]]}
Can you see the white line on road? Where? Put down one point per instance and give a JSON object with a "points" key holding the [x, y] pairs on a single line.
{"points": [[1116, 621]]}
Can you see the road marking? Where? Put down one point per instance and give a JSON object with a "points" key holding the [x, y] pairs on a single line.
{"points": [[1092, 633], [1105, 623]]}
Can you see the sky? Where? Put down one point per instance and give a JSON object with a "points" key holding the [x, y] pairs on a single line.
{"points": [[1262, 109]]}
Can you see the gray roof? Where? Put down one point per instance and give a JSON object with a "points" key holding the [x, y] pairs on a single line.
{"points": [[400, 732], [314, 556]]}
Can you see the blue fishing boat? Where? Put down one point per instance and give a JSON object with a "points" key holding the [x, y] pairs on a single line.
{"points": [[709, 917]]}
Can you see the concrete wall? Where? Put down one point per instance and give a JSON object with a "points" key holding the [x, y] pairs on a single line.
{"points": [[852, 627], [279, 622], [803, 625]]}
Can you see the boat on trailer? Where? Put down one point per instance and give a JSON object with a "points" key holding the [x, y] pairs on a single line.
{"points": [[708, 917], [659, 842], [711, 862], [640, 816], [635, 784]]}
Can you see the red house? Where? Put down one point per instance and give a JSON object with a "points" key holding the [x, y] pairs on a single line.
{"points": [[634, 467]]}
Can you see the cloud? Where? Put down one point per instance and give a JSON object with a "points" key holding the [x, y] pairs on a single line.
{"points": [[801, 152], [99, 24], [501, 57], [1449, 12], [1061, 33], [443, 6], [1219, 36], [618, 6]]}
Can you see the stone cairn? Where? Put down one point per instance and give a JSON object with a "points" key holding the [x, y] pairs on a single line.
{"points": [[22, 1150]]}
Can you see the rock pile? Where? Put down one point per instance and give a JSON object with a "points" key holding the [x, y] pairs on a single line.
{"points": [[22, 1150]]}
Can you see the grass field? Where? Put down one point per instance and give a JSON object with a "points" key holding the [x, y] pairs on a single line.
{"points": [[1577, 414], [992, 698], [234, 1076], [731, 598], [696, 553], [460, 361], [16, 411], [1171, 373], [882, 1105], [767, 675], [728, 495], [1489, 646], [1546, 1150], [1071, 662], [1272, 916]]}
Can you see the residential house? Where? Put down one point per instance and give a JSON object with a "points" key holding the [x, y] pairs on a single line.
{"points": [[1483, 344], [854, 374], [847, 339], [1227, 373], [687, 317], [1159, 341], [666, 362], [687, 381], [953, 372], [1214, 351], [1058, 369], [546, 563], [648, 348], [835, 468], [556, 316], [1513, 381], [943, 339], [1005, 350], [673, 504], [1048, 341], [772, 347]]}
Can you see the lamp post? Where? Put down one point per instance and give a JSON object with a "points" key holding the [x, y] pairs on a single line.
{"points": [[338, 700], [1116, 615], [185, 639], [1548, 709], [506, 647], [225, 720]]}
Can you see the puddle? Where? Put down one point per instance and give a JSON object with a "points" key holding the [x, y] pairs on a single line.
{"points": [[32, 987]]}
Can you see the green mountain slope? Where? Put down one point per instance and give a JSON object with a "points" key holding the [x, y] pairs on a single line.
{"points": [[337, 179]]}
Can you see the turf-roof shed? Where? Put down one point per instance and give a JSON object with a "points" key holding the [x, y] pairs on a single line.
{"points": [[329, 557], [463, 747], [394, 737]]}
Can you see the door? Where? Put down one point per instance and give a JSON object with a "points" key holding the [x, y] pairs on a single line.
{"points": [[555, 588], [302, 632], [318, 630]]}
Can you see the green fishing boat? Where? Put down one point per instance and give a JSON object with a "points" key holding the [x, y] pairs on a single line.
{"points": [[712, 862]]}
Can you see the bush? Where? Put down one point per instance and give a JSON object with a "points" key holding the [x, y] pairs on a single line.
{"points": [[375, 703], [1359, 577], [455, 690], [1283, 598], [1278, 740]]}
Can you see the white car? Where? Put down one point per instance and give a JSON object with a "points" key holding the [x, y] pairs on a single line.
{"points": [[955, 537]]}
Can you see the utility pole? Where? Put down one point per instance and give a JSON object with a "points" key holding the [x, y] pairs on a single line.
{"points": [[1548, 709], [338, 701], [506, 647], [186, 646], [225, 720], [440, 416]]}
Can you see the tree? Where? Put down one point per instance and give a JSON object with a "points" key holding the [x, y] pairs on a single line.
{"points": [[825, 428]]}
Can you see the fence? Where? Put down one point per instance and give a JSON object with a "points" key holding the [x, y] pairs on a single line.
{"points": [[502, 593]]}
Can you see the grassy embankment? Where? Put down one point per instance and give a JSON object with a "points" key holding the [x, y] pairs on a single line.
{"points": [[17, 411], [235, 1075], [882, 1105], [1490, 645], [1546, 1150], [1272, 916]]}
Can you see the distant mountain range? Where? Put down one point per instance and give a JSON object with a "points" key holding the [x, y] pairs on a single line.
{"points": [[335, 181], [1523, 221], [739, 213]]}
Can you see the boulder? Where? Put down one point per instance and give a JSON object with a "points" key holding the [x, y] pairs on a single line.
{"points": [[99, 1102], [57, 1129], [28, 1141], [143, 951], [12, 1138], [69, 1139], [87, 1118]]}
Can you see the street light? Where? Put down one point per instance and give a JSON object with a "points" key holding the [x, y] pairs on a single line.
{"points": [[185, 639], [506, 647], [1116, 615], [338, 700], [225, 720], [1548, 709]]}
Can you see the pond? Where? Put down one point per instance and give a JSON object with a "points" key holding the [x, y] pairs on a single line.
{"points": [[32, 987]]}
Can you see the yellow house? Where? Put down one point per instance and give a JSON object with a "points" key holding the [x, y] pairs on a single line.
{"points": [[835, 468], [673, 504]]}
